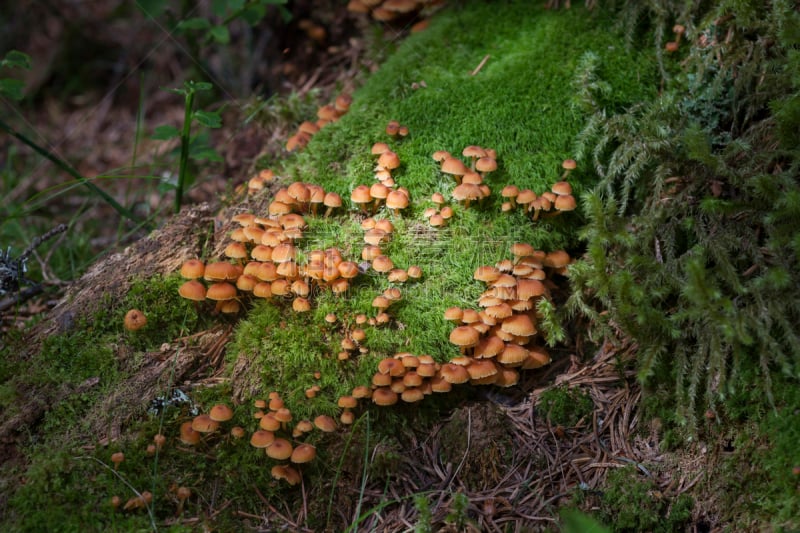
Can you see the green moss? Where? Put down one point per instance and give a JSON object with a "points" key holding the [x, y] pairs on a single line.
{"points": [[631, 502], [564, 406], [520, 104]]}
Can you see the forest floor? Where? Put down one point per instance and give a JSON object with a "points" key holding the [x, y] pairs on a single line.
{"points": [[568, 436]]}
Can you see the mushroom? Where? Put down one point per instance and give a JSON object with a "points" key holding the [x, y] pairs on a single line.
{"points": [[134, 320], [117, 458], [396, 201], [455, 167], [568, 165], [192, 269], [286, 473]]}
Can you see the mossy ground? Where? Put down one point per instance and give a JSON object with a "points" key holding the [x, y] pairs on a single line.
{"points": [[521, 103]]}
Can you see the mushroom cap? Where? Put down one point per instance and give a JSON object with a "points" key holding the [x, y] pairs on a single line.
{"points": [[342, 102], [486, 273], [440, 155], [488, 347], [282, 414], [379, 191], [204, 424], [526, 196], [361, 391], [325, 423], [360, 195], [381, 302], [269, 422], [412, 394], [510, 191], [537, 357], [412, 379], [382, 264], [262, 438], [303, 453], [556, 259], [189, 436], [301, 305], [134, 320], [512, 355], [332, 200], [220, 271], [454, 374], [384, 224], [397, 200], [467, 191], [221, 291], [246, 283], [454, 166], [286, 473], [569, 164], [520, 325], [439, 384], [561, 187], [192, 269], [284, 253], [473, 151], [379, 148], [280, 449], [485, 164], [391, 366], [347, 402], [193, 290], [529, 288], [221, 413], [566, 202], [481, 368], [389, 160], [521, 249], [384, 396], [464, 336]]}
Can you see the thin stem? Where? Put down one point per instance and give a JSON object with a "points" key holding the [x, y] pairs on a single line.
{"points": [[184, 162], [66, 167]]}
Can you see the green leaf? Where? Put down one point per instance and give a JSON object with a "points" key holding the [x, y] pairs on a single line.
{"points": [[152, 8], [164, 132], [208, 119], [219, 7], [253, 14], [205, 153], [198, 86], [16, 59], [220, 34], [197, 23], [12, 88]]}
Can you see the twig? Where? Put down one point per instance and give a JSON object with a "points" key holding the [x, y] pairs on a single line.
{"points": [[480, 65]]}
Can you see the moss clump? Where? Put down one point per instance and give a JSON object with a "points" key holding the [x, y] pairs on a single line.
{"points": [[632, 503], [565, 406]]}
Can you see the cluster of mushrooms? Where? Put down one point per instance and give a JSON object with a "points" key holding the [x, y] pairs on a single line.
{"points": [[553, 202], [325, 115], [396, 10], [281, 439], [496, 341]]}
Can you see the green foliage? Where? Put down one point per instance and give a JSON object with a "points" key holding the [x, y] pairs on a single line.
{"points": [[691, 247], [12, 87], [424, 516], [574, 521], [458, 516], [194, 147], [565, 406], [631, 503]]}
